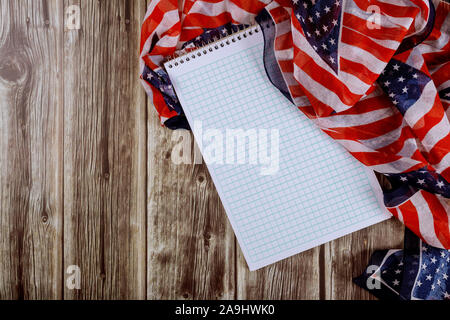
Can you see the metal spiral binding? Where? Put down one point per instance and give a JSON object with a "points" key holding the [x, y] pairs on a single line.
{"points": [[176, 59]]}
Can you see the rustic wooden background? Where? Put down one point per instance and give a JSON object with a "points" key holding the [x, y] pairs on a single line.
{"points": [[86, 178]]}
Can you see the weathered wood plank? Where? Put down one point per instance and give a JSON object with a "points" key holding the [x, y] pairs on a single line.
{"points": [[31, 142], [191, 252], [104, 160], [191, 246], [297, 277], [347, 257]]}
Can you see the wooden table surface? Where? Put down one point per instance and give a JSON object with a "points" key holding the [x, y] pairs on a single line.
{"points": [[86, 178]]}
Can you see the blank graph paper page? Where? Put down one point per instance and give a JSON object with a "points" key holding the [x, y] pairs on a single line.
{"points": [[285, 185]]}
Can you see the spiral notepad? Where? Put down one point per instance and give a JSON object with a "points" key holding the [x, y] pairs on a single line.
{"points": [[285, 185]]}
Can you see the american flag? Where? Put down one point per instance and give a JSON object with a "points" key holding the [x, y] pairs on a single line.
{"points": [[418, 272], [382, 91]]}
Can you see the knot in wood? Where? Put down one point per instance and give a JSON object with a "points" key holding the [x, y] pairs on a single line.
{"points": [[13, 68]]}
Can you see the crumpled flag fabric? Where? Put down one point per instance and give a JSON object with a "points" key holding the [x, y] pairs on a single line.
{"points": [[380, 87], [418, 272]]}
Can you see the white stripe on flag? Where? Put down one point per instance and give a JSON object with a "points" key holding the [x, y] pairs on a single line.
{"points": [[426, 220], [351, 120], [436, 134], [327, 96], [422, 106], [398, 166]]}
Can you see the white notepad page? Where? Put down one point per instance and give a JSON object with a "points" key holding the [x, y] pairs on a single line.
{"points": [[317, 193]]}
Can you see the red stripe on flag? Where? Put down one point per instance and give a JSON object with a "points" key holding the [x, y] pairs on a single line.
{"points": [[308, 111], [388, 9], [172, 31], [163, 51], [325, 78], [188, 5], [375, 158], [393, 211], [441, 15], [367, 105], [440, 218], [440, 150], [363, 73], [284, 41], [286, 66], [149, 63], [320, 109], [189, 34], [356, 39], [383, 33], [403, 56], [368, 131], [285, 3], [154, 19], [423, 8], [436, 57], [279, 14], [208, 1], [160, 104], [417, 155], [442, 74], [203, 21], [250, 6], [429, 120], [446, 174], [296, 91], [410, 217]]}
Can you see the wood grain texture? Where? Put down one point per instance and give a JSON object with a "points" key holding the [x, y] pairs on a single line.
{"points": [[30, 140], [295, 278], [347, 257], [191, 246], [104, 175], [87, 178]]}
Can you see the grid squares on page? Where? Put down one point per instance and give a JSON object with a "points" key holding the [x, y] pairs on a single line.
{"points": [[303, 201]]}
